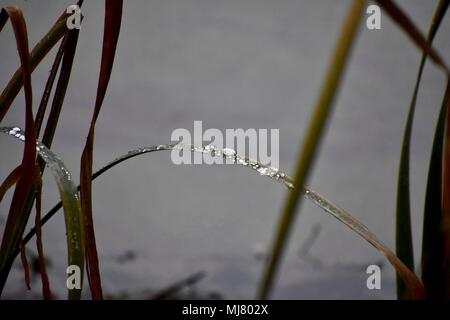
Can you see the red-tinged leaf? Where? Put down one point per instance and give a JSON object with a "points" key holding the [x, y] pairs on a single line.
{"points": [[412, 31], [113, 16], [10, 180], [67, 48], [16, 222], [57, 31], [40, 248], [25, 265]]}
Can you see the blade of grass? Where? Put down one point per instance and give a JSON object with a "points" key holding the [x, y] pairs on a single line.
{"points": [[412, 31], [70, 202], [40, 248], [67, 50], [113, 17], [404, 243], [445, 224], [432, 242], [308, 152], [66, 53], [16, 221], [414, 285]]}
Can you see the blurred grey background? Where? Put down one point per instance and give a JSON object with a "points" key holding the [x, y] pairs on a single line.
{"points": [[232, 64]]}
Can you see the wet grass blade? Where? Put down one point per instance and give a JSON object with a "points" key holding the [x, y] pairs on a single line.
{"points": [[16, 221], [113, 17], [70, 202], [404, 243], [432, 242], [308, 152], [38, 53], [412, 31], [414, 285]]}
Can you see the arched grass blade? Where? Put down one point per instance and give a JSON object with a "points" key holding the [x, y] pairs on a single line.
{"points": [[70, 202], [413, 283], [312, 140], [403, 234]]}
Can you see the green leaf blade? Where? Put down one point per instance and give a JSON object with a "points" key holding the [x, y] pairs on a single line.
{"points": [[308, 152], [403, 234]]}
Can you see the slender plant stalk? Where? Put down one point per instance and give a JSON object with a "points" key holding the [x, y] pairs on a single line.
{"points": [[315, 131], [113, 19]]}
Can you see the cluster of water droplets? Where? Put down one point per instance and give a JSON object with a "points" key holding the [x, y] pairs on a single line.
{"points": [[271, 172], [234, 157], [229, 155]]}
